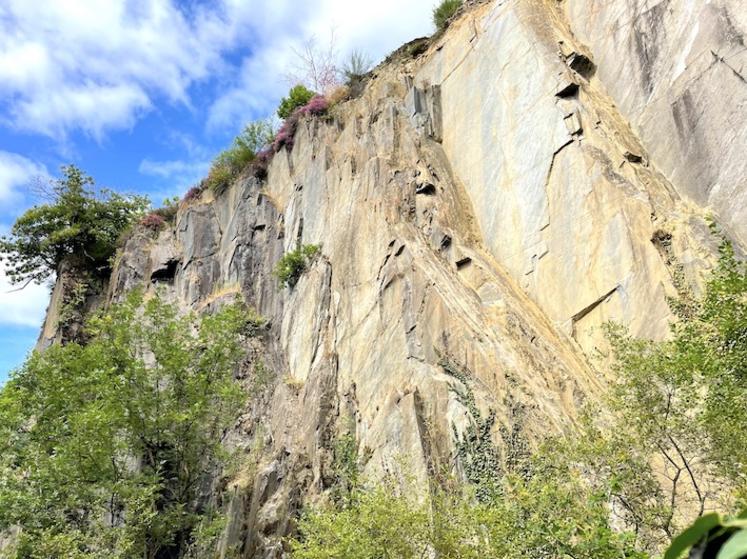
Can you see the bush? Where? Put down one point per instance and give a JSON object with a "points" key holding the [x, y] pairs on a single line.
{"points": [[290, 267], [297, 97], [443, 13], [79, 223], [228, 165], [316, 107], [192, 194], [153, 221], [287, 132]]}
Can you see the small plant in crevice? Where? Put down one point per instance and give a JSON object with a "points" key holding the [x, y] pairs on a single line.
{"points": [[444, 12], [294, 263], [476, 452], [345, 469]]}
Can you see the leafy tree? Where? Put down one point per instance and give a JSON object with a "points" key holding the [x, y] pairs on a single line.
{"points": [[298, 96], [443, 13], [78, 223], [105, 448]]}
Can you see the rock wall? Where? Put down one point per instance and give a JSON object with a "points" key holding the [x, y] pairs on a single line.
{"points": [[482, 207]]}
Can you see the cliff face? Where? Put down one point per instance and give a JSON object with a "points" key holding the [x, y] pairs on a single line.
{"points": [[482, 208]]}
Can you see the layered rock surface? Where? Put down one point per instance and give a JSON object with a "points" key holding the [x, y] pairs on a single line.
{"points": [[482, 207]]}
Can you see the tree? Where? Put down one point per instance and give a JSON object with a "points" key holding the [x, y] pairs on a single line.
{"points": [[105, 449], [315, 66], [78, 224], [298, 96]]}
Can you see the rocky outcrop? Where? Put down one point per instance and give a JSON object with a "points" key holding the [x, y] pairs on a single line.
{"points": [[483, 207]]}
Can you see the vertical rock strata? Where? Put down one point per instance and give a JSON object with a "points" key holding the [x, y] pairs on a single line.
{"points": [[484, 204]]}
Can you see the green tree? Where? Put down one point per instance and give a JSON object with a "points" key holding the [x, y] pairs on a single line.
{"points": [[78, 223], [105, 449], [298, 96]]}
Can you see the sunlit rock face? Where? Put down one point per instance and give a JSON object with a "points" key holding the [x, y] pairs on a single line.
{"points": [[483, 208]]}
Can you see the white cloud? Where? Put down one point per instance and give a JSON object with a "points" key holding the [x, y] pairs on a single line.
{"points": [[17, 171], [22, 308], [92, 65], [97, 66], [375, 28]]}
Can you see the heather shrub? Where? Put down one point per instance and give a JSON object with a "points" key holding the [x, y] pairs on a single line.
{"points": [[284, 137], [298, 97], [290, 267], [443, 13], [153, 221], [316, 107], [229, 163], [192, 194]]}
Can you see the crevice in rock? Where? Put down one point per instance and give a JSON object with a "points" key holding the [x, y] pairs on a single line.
{"points": [[588, 308]]}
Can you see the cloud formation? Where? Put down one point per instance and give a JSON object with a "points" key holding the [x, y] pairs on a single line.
{"points": [[22, 308], [98, 66], [17, 171]]}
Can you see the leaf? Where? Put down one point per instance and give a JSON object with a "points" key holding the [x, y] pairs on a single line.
{"points": [[735, 547], [692, 535]]}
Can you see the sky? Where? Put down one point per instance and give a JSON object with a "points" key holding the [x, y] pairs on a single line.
{"points": [[141, 94]]}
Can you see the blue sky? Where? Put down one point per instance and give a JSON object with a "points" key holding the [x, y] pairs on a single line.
{"points": [[141, 94]]}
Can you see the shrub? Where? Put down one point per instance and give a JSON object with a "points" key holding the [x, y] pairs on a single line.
{"points": [[153, 221], [285, 135], [338, 95], [226, 167], [193, 194], [443, 13], [290, 267], [78, 223], [298, 96], [316, 107]]}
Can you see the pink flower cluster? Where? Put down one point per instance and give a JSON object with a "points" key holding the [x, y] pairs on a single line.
{"points": [[153, 221], [192, 194], [316, 107]]}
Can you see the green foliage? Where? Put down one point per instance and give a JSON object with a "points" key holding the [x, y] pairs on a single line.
{"points": [[77, 223], [549, 515], [298, 96], [105, 448], [290, 267], [443, 12], [674, 441], [712, 536], [345, 469], [229, 163], [685, 399]]}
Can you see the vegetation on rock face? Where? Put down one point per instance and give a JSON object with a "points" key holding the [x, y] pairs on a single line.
{"points": [[246, 146], [443, 13], [78, 222], [294, 263], [623, 485], [298, 97], [105, 449]]}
